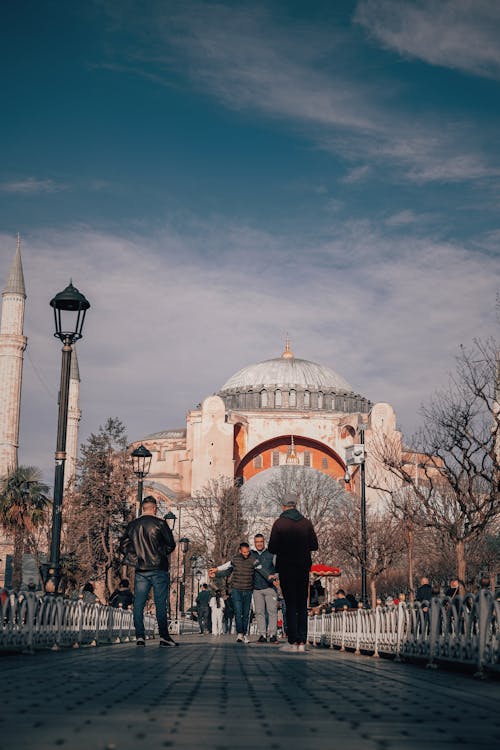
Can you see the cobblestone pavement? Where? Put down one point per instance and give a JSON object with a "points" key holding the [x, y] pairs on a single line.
{"points": [[215, 694]]}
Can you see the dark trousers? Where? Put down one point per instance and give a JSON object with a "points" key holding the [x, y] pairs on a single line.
{"points": [[294, 583], [160, 581], [242, 601], [203, 613]]}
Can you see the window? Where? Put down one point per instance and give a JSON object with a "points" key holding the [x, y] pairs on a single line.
{"points": [[307, 458], [320, 400], [307, 399], [263, 398], [277, 398], [276, 458], [257, 462], [293, 398], [324, 463]]}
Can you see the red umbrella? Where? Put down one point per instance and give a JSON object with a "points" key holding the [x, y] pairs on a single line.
{"points": [[325, 570]]}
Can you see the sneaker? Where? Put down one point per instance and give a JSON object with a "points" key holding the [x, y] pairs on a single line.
{"points": [[168, 643], [290, 648], [140, 642], [273, 639], [262, 639], [301, 648], [239, 639], [246, 639]]}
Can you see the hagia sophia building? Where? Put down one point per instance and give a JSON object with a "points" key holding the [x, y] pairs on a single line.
{"points": [[262, 417]]}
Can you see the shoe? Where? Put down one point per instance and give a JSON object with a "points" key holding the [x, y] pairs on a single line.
{"points": [[168, 643], [239, 639], [290, 648], [246, 639], [301, 648], [140, 642], [262, 639], [273, 639]]}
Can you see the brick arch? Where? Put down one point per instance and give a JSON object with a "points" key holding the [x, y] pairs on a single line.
{"points": [[319, 452]]}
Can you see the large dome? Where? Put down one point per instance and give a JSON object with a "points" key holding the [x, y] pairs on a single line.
{"points": [[287, 372]]}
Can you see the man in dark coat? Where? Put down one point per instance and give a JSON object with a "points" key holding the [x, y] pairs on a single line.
{"points": [[147, 545], [292, 540]]}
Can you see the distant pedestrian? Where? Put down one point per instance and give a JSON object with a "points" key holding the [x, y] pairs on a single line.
{"points": [[122, 596], [228, 613], [292, 540], [147, 545], [265, 596], [217, 608], [453, 589], [341, 601], [203, 608], [88, 595], [424, 591]]}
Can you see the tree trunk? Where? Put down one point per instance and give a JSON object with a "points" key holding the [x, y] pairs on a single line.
{"points": [[373, 592], [461, 564], [411, 573], [17, 559]]}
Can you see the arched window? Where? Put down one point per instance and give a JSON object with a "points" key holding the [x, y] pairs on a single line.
{"points": [[307, 458], [320, 400], [293, 398], [277, 398], [276, 458], [263, 399], [307, 399]]}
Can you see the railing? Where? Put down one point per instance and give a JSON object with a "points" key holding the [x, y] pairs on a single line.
{"points": [[461, 630], [30, 621]]}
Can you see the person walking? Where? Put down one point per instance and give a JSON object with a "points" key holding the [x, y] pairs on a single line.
{"points": [[265, 596], [217, 607], [203, 608], [122, 596], [242, 567], [147, 544], [292, 540]]}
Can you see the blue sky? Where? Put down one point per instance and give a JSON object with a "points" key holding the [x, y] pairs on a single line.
{"points": [[213, 175]]}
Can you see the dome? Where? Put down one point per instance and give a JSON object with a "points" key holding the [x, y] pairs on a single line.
{"points": [[284, 372]]}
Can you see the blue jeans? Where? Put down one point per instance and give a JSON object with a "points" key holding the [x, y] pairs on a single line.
{"points": [[160, 581], [241, 603]]}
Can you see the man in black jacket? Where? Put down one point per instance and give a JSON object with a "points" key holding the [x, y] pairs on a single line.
{"points": [[292, 540], [147, 544]]}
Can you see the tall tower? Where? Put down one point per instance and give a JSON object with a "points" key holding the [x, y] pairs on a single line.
{"points": [[74, 416], [12, 346]]}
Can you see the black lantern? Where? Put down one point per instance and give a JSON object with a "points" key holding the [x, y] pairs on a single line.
{"points": [[184, 542], [66, 304], [141, 462], [170, 517]]}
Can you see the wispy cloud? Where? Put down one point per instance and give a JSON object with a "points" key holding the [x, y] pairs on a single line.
{"points": [[458, 34], [299, 74], [32, 185]]}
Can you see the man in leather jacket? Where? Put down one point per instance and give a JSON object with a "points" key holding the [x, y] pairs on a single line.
{"points": [[147, 544]]}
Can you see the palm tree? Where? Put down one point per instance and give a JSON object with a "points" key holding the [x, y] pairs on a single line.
{"points": [[23, 506]]}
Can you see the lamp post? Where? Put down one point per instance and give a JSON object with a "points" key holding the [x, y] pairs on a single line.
{"points": [[184, 545], [355, 456], [198, 575], [170, 517], [67, 304], [141, 462]]}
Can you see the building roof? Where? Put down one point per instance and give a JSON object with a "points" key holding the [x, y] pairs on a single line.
{"points": [[287, 371], [178, 434]]}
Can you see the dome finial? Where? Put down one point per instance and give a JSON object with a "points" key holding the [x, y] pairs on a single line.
{"points": [[287, 354], [292, 458]]}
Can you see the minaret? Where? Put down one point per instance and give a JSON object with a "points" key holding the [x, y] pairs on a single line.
{"points": [[74, 416], [12, 346]]}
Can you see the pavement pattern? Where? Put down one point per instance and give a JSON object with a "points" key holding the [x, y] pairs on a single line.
{"points": [[214, 694]]}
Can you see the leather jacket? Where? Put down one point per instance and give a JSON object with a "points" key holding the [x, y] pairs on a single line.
{"points": [[147, 543]]}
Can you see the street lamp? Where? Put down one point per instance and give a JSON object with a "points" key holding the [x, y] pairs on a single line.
{"points": [[184, 545], [66, 305], [355, 456], [141, 462], [170, 517]]}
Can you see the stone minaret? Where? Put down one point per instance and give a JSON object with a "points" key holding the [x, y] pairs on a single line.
{"points": [[12, 346], [74, 416]]}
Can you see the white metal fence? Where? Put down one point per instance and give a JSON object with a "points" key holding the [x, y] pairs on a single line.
{"points": [[30, 621], [463, 630]]}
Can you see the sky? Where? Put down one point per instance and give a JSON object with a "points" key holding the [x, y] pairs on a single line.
{"points": [[214, 175]]}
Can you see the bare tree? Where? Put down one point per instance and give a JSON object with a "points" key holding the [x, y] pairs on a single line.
{"points": [[452, 467], [217, 524], [385, 541]]}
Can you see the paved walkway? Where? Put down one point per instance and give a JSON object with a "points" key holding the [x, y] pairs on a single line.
{"points": [[214, 694]]}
